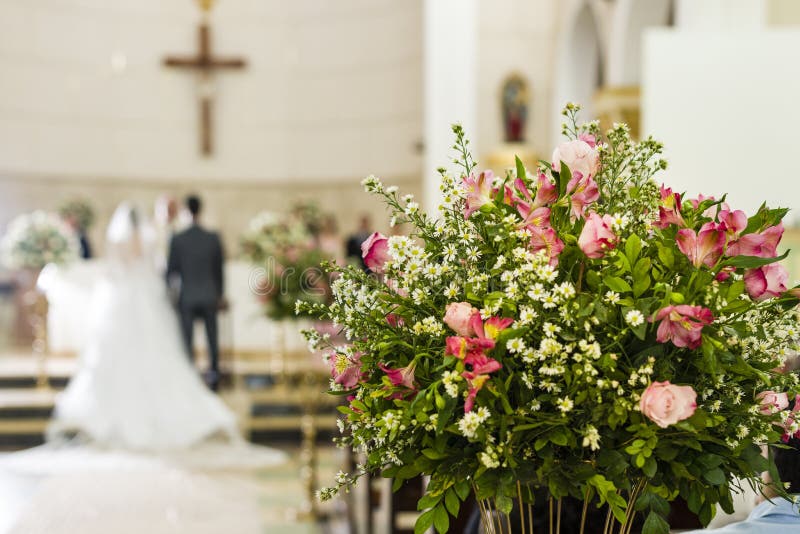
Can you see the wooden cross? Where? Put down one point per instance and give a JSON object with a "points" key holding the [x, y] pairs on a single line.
{"points": [[205, 64]]}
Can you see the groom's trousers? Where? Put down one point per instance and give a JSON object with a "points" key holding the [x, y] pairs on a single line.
{"points": [[208, 313]]}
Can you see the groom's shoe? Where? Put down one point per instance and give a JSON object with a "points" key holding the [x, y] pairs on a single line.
{"points": [[212, 379]]}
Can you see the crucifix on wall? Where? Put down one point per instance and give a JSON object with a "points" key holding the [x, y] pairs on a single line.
{"points": [[204, 63]]}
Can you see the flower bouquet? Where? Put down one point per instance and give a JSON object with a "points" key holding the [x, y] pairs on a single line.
{"points": [[35, 239], [80, 212], [287, 260], [572, 332]]}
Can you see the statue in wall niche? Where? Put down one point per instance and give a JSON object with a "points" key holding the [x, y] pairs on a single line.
{"points": [[515, 98], [514, 105]]}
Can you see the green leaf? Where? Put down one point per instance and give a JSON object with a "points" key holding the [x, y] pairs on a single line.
{"points": [[666, 256], [433, 454], [428, 501], [463, 489], [715, 476], [451, 502], [504, 504], [424, 522], [441, 520], [633, 246], [617, 284], [752, 262], [520, 172], [655, 524], [563, 179]]}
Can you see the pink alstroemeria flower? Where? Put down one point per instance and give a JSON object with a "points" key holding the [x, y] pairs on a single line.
{"points": [[772, 402], [474, 382], [584, 192], [533, 209], [597, 238], [735, 221], [547, 240], [479, 192], [400, 377], [767, 281], [375, 252], [346, 370], [695, 202], [704, 247], [492, 327], [481, 365], [670, 210], [682, 325], [763, 244], [461, 347]]}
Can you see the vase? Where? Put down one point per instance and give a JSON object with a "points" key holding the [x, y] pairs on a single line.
{"points": [[536, 511]]}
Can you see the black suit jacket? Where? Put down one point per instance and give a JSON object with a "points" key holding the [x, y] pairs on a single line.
{"points": [[196, 257]]}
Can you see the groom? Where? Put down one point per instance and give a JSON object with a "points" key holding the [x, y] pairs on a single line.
{"points": [[195, 259]]}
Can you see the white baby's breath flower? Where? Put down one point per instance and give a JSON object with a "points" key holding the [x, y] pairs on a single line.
{"points": [[612, 297]]}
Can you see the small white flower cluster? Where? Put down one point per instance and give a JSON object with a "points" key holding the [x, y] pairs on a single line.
{"points": [[591, 438], [450, 381], [471, 422], [429, 325]]}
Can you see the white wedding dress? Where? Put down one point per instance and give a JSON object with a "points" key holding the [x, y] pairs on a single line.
{"points": [[136, 394]]}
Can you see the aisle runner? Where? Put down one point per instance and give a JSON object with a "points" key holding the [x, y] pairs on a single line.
{"points": [[153, 502]]}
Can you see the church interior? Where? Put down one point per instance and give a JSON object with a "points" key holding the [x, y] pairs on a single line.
{"points": [[265, 109]]}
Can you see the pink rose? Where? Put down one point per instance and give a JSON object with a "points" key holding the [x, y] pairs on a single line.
{"points": [[457, 316], [578, 156], [772, 402], [596, 237], [665, 404], [767, 281], [704, 247], [375, 251], [683, 325]]}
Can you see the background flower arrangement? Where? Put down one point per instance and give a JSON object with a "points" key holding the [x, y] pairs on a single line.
{"points": [[79, 211], [33, 240], [577, 329], [284, 249]]}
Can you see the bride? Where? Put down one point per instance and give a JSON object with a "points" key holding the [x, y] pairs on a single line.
{"points": [[135, 389]]}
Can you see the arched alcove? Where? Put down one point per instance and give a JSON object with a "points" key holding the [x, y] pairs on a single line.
{"points": [[579, 65]]}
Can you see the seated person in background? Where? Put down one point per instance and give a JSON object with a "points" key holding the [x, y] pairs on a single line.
{"points": [[779, 516]]}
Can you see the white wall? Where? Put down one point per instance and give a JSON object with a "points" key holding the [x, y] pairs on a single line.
{"points": [[333, 90], [726, 106]]}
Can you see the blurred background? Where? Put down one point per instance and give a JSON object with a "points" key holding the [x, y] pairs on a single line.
{"points": [[271, 109]]}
